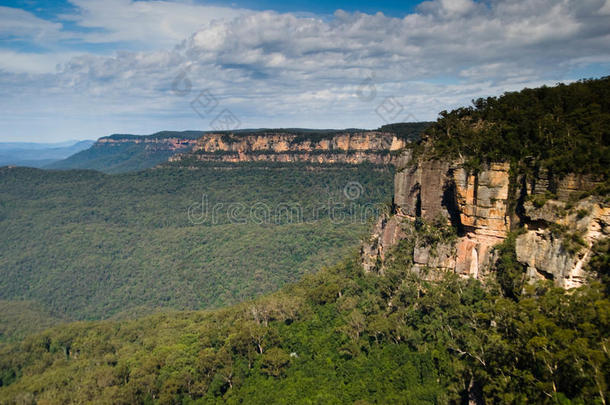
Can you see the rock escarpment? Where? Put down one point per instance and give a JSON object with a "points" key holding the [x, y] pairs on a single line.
{"points": [[483, 206], [172, 143], [341, 147]]}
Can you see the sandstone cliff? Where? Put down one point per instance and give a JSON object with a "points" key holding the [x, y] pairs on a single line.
{"points": [[484, 206], [341, 147]]}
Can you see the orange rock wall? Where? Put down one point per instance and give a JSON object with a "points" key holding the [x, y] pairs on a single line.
{"points": [[477, 204], [370, 146]]}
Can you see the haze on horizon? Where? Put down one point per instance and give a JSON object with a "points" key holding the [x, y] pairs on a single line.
{"points": [[81, 69]]}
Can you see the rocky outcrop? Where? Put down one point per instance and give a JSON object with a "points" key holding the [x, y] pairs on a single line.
{"points": [[477, 201], [483, 206], [474, 203], [482, 199], [387, 232], [341, 147], [419, 189], [561, 188], [557, 242]]}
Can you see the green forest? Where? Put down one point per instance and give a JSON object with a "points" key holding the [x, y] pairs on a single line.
{"points": [[338, 336], [87, 245], [116, 158]]}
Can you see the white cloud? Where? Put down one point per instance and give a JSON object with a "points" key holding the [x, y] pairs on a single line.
{"points": [[131, 24], [447, 8], [275, 69], [20, 24], [154, 23], [37, 63]]}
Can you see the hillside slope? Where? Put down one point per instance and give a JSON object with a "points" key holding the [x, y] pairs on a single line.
{"points": [[88, 245], [123, 153], [340, 336]]}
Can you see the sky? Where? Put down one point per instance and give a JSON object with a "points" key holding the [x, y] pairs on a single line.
{"points": [[82, 69]]}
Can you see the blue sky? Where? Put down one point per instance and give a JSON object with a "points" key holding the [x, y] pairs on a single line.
{"points": [[81, 69], [50, 9], [390, 8]]}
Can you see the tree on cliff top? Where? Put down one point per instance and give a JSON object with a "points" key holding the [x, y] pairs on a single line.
{"points": [[565, 128]]}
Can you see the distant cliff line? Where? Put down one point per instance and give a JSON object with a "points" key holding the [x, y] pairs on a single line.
{"points": [[353, 148], [291, 145], [313, 148]]}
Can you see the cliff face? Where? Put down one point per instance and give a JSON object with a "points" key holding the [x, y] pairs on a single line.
{"points": [[168, 144], [357, 147], [484, 206], [557, 242]]}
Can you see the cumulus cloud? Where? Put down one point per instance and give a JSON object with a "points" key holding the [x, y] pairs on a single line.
{"points": [[275, 69], [118, 24]]}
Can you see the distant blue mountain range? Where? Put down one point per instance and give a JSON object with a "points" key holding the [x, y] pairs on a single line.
{"points": [[39, 154]]}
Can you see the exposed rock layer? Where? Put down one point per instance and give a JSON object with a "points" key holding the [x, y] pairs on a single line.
{"points": [[558, 243], [484, 206], [357, 147]]}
